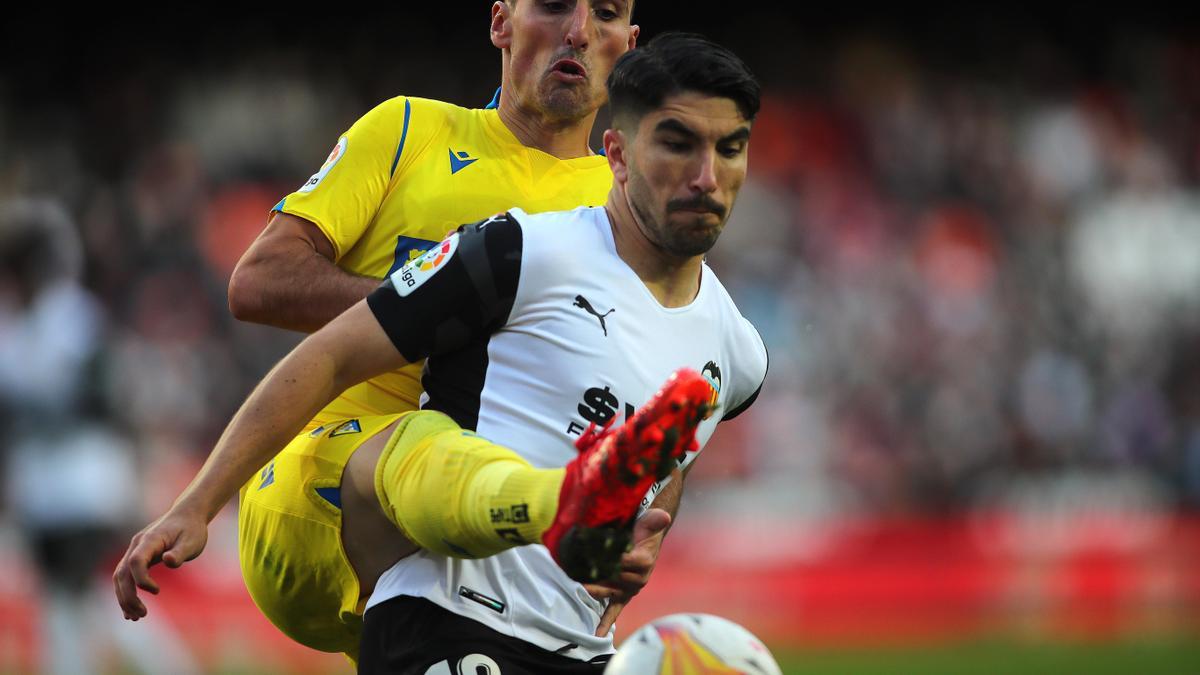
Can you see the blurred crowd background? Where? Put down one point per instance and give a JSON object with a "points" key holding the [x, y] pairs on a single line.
{"points": [[970, 239]]}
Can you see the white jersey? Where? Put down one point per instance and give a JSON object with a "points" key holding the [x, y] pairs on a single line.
{"points": [[535, 328]]}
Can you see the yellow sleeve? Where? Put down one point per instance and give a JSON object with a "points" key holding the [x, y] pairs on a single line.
{"points": [[343, 196]]}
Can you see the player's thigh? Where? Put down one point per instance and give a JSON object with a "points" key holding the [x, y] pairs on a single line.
{"points": [[371, 541], [289, 532], [413, 636]]}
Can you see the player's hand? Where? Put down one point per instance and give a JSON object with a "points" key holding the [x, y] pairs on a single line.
{"points": [[173, 539], [636, 566]]}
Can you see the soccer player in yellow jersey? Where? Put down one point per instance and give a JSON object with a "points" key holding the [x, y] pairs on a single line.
{"points": [[412, 170], [400, 178]]}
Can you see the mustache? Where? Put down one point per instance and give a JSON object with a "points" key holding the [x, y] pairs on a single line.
{"points": [[700, 203]]}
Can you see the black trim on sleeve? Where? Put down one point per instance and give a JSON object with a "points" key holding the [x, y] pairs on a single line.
{"points": [[753, 397], [468, 299], [742, 408]]}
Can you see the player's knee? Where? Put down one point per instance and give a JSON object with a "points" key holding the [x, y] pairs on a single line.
{"points": [[404, 458]]}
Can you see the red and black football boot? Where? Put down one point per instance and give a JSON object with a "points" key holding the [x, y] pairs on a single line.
{"points": [[605, 484]]}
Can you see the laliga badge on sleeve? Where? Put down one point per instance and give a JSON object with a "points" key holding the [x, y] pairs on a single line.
{"points": [[410, 277], [334, 156]]}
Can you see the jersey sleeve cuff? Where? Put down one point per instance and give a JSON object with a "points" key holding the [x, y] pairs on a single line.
{"points": [[744, 405], [284, 207]]}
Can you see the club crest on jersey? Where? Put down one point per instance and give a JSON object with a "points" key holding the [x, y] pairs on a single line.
{"points": [[712, 374], [418, 270], [334, 155]]}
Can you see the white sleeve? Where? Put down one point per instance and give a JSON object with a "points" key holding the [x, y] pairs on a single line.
{"points": [[751, 370]]}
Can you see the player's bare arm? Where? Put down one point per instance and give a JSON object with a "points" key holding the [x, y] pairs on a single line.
{"points": [[287, 278], [350, 349]]}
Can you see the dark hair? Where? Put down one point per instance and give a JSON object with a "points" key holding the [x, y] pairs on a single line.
{"points": [[673, 63]]}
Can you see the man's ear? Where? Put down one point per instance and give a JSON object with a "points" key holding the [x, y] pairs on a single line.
{"points": [[501, 29], [614, 149]]}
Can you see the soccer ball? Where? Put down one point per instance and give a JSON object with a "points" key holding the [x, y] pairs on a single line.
{"points": [[692, 643]]}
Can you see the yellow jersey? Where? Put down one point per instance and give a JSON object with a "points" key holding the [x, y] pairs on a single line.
{"points": [[406, 174]]}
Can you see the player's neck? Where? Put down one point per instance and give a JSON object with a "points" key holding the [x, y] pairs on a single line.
{"points": [[561, 138], [672, 280]]}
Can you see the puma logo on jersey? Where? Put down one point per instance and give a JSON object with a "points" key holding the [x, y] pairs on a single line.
{"points": [[582, 303], [460, 160]]}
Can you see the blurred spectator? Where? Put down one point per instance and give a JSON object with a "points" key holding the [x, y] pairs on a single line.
{"points": [[50, 327], [72, 481]]}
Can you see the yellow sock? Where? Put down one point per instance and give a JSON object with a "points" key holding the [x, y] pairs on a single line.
{"points": [[457, 494]]}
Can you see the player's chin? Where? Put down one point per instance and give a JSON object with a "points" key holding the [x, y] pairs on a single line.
{"points": [[695, 239], [567, 101]]}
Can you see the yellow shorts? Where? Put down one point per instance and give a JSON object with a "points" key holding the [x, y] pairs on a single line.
{"points": [[289, 537]]}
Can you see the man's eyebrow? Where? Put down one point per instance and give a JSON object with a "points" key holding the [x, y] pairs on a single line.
{"points": [[622, 5], [676, 126], [742, 134]]}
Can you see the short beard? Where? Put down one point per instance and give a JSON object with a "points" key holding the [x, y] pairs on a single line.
{"points": [[676, 242], [564, 104]]}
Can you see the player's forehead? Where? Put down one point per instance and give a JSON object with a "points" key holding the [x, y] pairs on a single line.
{"points": [[705, 116], [623, 8]]}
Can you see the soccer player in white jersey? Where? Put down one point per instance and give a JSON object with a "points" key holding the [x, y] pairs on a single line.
{"points": [[606, 302], [535, 327]]}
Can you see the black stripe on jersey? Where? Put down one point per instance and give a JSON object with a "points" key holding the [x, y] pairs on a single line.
{"points": [[454, 382], [449, 319], [468, 299]]}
